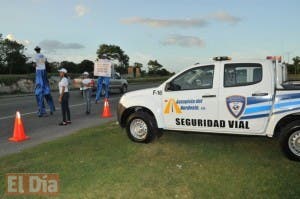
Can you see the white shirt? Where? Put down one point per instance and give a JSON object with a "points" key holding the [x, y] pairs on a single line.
{"points": [[40, 61], [63, 83], [86, 83]]}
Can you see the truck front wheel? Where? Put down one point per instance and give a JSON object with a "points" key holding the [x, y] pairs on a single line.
{"points": [[141, 127], [124, 88], [290, 140]]}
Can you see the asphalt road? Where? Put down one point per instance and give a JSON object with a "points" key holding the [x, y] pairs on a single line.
{"points": [[46, 128]]}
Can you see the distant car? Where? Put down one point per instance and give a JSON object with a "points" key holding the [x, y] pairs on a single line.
{"points": [[116, 83]]}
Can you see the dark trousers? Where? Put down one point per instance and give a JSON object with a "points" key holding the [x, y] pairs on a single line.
{"points": [[87, 93], [65, 107]]}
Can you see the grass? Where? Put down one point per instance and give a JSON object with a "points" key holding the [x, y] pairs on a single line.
{"points": [[102, 162]]}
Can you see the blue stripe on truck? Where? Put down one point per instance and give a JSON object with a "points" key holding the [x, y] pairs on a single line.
{"points": [[288, 96], [257, 109], [257, 100], [254, 116], [283, 105]]}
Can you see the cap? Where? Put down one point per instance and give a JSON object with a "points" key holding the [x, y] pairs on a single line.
{"points": [[85, 73], [62, 70], [37, 48]]}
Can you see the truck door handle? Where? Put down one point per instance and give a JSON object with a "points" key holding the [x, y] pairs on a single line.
{"points": [[205, 96], [260, 94]]}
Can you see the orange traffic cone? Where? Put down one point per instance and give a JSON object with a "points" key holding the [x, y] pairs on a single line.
{"points": [[19, 133], [106, 111]]}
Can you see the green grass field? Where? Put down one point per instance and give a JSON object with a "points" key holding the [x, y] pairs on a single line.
{"points": [[102, 162]]}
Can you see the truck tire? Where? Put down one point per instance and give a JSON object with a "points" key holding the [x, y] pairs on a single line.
{"points": [[141, 127], [290, 140], [123, 89]]}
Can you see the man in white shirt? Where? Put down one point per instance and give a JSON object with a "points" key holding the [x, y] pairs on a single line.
{"points": [[42, 87]]}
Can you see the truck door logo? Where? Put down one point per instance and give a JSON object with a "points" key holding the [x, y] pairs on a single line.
{"points": [[172, 106], [236, 105]]}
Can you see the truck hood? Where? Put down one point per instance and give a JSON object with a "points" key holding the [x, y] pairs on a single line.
{"points": [[143, 92]]}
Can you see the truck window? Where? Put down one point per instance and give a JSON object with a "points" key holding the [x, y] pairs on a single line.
{"points": [[242, 74], [196, 78]]}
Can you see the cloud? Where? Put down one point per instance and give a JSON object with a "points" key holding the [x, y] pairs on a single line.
{"points": [[222, 17], [53, 45], [11, 37], [225, 17], [81, 10], [184, 23], [183, 41], [141, 58]]}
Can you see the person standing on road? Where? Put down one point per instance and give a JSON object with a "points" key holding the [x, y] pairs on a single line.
{"points": [[63, 99], [104, 77], [42, 87], [87, 91]]}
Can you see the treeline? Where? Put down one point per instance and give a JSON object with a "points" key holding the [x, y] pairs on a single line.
{"points": [[294, 68], [85, 65]]}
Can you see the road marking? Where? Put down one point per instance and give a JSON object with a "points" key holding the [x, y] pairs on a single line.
{"points": [[57, 109]]}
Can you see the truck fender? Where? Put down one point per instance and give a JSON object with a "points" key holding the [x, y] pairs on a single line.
{"points": [[141, 103], [278, 121]]}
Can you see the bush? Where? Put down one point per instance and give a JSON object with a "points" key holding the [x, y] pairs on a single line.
{"points": [[11, 79], [148, 79], [8, 80]]}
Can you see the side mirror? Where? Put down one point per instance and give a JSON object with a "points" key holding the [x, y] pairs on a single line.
{"points": [[167, 87], [170, 86]]}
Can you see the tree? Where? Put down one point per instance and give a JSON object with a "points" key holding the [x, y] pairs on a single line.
{"points": [[71, 67], [137, 65], [52, 67], [294, 68], [114, 52], [154, 66], [1, 56], [163, 72], [86, 65], [12, 58], [296, 63]]}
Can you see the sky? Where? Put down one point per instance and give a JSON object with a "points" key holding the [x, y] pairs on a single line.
{"points": [[176, 33]]}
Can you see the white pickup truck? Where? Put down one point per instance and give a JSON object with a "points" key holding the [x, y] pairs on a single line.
{"points": [[225, 96]]}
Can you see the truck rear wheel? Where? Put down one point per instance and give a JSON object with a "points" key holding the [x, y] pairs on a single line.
{"points": [[290, 140], [141, 127]]}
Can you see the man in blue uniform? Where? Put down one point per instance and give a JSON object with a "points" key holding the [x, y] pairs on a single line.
{"points": [[104, 79], [42, 87]]}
